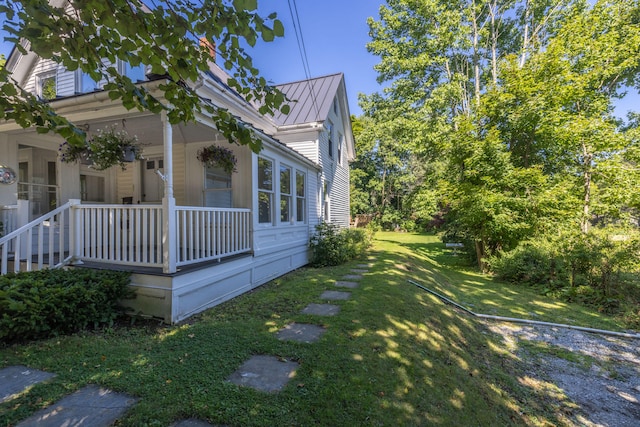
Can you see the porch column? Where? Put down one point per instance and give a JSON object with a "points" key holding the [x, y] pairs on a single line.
{"points": [[168, 202]]}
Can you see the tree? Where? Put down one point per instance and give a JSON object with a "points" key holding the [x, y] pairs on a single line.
{"points": [[171, 38], [515, 97]]}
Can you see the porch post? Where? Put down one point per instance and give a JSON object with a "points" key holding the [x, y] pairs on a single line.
{"points": [[169, 247], [75, 233]]}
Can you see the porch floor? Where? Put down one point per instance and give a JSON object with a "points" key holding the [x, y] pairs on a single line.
{"points": [[157, 271]]}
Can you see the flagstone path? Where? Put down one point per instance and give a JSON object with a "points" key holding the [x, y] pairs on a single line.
{"points": [[98, 407]]}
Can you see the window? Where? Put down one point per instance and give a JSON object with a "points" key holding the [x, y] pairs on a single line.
{"points": [[135, 73], [330, 137], [285, 194], [217, 187], [326, 205], [46, 86], [265, 190], [91, 188], [300, 196], [84, 83], [340, 142], [335, 106]]}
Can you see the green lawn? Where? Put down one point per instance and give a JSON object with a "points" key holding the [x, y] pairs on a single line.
{"points": [[395, 355]]}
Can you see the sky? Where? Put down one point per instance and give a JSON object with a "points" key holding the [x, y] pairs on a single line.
{"points": [[335, 34]]}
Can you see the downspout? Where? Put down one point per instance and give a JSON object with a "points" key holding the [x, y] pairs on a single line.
{"points": [[524, 321]]}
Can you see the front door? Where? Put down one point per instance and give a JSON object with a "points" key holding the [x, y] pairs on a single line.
{"points": [[152, 183]]}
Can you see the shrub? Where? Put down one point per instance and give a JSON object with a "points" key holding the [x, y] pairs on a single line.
{"points": [[46, 303], [332, 245]]}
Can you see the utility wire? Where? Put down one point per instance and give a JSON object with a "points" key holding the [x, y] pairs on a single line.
{"points": [[295, 18]]}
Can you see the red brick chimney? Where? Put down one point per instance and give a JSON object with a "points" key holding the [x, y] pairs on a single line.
{"points": [[212, 47]]}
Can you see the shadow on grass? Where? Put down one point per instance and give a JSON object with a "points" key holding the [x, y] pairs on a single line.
{"points": [[394, 355]]}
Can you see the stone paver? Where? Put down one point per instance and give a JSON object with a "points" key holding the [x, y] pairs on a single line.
{"points": [[16, 379], [322, 309], [301, 332], [359, 270], [364, 265], [90, 406], [335, 295], [264, 373], [345, 284], [352, 276]]}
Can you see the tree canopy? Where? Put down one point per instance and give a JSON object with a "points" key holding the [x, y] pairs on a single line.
{"points": [[507, 109], [170, 38]]}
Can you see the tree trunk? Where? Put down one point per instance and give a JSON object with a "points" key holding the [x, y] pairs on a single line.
{"points": [[587, 157], [480, 255]]}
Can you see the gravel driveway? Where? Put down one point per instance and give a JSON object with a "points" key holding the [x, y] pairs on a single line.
{"points": [[593, 379]]}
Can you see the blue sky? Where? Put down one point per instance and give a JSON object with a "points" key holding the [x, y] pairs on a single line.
{"points": [[335, 35]]}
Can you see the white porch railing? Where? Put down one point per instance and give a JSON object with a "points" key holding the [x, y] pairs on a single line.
{"points": [[125, 235], [42, 242], [119, 234], [205, 234], [8, 219]]}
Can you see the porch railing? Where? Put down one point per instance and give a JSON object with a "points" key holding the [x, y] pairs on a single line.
{"points": [[125, 235], [205, 234], [42, 242], [8, 219], [120, 234]]}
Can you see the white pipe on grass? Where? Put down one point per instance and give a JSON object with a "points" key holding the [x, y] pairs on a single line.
{"points": [[525, 321]]}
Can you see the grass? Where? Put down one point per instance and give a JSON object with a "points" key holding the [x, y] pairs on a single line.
{"points": [[395, 355]]}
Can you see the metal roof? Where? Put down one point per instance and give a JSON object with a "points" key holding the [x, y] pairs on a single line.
{"points": [[310, 100]]}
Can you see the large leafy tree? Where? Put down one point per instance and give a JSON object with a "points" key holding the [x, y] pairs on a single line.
{"points": [[172, 38], [516, 98]]}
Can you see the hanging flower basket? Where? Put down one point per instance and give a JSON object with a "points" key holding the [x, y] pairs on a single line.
{"points": [[108, 147], [216, 156]]}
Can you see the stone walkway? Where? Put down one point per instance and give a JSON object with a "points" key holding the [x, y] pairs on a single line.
{"points": [[97, 407]]}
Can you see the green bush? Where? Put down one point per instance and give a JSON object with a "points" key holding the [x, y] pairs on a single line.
{"points": [[600, 269], [46, 303], [332, 245]]}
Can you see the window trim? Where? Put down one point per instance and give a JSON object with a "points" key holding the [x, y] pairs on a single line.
{"points": [[289, 195], [270, 192], [302, 198], [41, 78]]}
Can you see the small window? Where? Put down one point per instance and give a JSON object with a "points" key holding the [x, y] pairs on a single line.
{"points": [[84, 83], [135, 73], [46, 86], [285, 194], [300, 196], [335, 106], [340, 143], [265, 190], [326, 204], [330, 138]]}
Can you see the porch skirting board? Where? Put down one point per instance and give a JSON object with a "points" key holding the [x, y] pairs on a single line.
{"points": [[176, 298]]}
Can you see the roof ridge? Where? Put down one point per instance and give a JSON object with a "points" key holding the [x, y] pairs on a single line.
{"points": [[310, 79]]}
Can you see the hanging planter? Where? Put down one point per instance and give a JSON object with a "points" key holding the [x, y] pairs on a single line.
{"points": [[107, 148], [216, 156]]}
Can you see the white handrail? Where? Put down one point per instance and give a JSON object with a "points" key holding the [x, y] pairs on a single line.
{"points": [[21, 243]]}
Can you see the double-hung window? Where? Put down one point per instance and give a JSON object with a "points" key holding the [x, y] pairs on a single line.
{"points": [[300, 196], [265, 190], [285, 193]]}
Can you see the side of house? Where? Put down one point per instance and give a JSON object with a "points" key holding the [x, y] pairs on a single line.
{"points": [[173, 221]]}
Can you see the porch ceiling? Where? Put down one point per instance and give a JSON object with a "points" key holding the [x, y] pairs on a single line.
{"points": [[147, 127]]}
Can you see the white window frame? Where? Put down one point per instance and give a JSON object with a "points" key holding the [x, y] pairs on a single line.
{"points": [[217, 172], [41, 78], [269, 193], [286, 195], [330, 138], [301, 176]]}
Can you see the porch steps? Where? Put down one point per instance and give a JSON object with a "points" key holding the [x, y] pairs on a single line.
{"points": [[98, 407]]}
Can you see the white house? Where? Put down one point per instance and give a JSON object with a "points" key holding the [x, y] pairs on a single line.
{"points": [[193, 236]]}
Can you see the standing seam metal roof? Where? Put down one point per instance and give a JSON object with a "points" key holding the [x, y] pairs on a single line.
{"points": [[310, 100]]}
